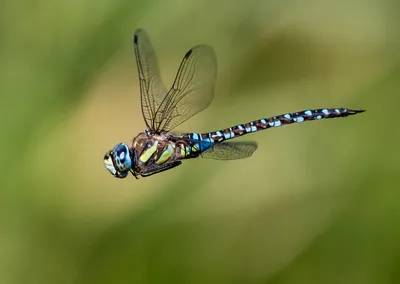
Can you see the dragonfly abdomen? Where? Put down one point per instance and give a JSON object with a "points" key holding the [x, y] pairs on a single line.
{"points": [[276, 121]]}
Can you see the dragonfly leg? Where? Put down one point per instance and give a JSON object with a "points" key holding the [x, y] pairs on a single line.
{"points": [[135, 174], [154, 169]]}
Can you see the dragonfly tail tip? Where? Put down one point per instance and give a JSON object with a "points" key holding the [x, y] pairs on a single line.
{"points": [[355, 111]]}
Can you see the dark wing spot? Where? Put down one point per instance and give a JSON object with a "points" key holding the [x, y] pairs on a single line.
{"points": [[188, 53]]}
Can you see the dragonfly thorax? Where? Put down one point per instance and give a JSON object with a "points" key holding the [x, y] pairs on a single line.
{"points": [[148, 145], [118, 161]]}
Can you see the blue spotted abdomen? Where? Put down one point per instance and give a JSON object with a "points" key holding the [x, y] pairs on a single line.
{"points": [[274, 121]]}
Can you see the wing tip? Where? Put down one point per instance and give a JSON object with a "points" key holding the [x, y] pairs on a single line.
{"points": [[188, 53], [136, 35]]}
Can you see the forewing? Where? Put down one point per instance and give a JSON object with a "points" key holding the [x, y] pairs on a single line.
{"points": [[192, 91], [152, 89], [230, 151]]}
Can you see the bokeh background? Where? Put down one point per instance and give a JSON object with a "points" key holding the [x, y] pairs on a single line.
{"points": [[317, 203]]}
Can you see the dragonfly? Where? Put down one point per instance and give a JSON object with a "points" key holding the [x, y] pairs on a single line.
{"points": [[158, 149]]}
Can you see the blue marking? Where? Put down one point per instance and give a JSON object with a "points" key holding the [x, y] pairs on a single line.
{"points": [[318, 117], [253, 128], [227, 135], [325, 111], [288, 116], [308, 112], [232, 133], [277, 123], [299, 119], [195, 136], [208, 140], [263, 121], [337, 110]]}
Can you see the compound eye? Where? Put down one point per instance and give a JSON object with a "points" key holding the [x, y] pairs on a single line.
{"points": [[121, 174], [123, 160]]}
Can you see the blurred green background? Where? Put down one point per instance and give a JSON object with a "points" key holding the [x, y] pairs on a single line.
{"points": [[317, 203]]}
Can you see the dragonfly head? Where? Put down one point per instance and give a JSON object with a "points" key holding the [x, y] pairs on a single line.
{"points": [[118, 161]]}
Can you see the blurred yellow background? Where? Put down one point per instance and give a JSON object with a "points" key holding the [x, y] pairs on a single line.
{"points": [[317, 203]]}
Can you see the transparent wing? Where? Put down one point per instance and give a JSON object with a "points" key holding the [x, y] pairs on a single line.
{"points": [[152, 89], [230, 151], [192, 91]]}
